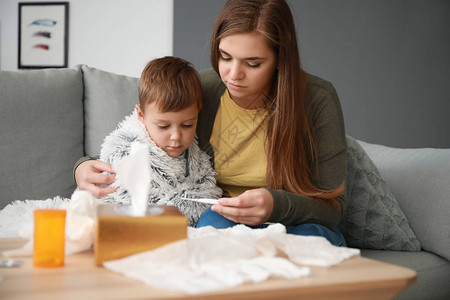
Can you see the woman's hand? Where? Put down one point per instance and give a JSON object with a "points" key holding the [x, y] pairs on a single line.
{"points": [[253, 207], [88, 176]]}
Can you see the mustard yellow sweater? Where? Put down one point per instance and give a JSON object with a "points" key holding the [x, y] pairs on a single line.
{"points": [[328, 122]]}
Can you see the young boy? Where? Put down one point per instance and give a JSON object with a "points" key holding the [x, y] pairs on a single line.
{"points": [[165, 120]]}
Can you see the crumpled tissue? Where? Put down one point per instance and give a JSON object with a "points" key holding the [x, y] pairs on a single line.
{"points": [[16, 220], [214, 259]]}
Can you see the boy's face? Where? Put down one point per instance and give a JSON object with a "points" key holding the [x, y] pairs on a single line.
{"points": [[171, 131]]}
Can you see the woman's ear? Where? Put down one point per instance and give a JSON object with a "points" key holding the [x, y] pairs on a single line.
{"points": [[140, 114]]}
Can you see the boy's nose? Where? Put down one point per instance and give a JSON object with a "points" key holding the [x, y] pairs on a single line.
{"points": [[175, 135]]}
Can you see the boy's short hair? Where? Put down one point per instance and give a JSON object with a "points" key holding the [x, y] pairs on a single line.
{"points": [[171, 82]]}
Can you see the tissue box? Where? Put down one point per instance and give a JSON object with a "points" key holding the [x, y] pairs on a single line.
{"points": [[119, 235]]}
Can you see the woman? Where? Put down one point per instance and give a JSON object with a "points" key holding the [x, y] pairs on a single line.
{"points": [[275, 133]]}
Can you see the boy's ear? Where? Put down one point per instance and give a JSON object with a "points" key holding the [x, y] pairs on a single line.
{"points": [[139, 113]]}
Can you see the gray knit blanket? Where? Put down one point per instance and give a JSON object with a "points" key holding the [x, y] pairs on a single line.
{"points": [[189, 175]]}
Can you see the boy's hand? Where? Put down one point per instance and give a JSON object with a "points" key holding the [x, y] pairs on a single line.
{"points": [[88, 176], [253, 207]]}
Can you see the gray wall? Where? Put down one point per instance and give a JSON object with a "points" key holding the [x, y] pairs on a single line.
{"points": [[388, 59]]}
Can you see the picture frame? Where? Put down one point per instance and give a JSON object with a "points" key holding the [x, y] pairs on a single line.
{"points": [[43, 35]]}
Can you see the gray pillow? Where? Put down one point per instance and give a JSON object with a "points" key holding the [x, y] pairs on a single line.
{"points": [[373, 218], [420, 180], [108, 98]]}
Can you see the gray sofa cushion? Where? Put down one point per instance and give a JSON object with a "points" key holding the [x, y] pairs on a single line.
{"points": [[373, 218], [433, 272], [41, 129], [420, 180], [108, 98]]}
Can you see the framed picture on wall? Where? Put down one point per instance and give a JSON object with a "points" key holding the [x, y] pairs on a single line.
{"points": [[43, 35]]}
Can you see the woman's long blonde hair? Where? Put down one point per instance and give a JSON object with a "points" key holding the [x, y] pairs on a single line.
{"points": [[291, 149]]}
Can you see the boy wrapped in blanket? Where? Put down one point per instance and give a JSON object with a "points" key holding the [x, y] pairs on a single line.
{"points": [[165, 121]]}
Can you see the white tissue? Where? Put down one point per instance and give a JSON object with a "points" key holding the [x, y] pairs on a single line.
{"points": [[80, 222], [214, 259], [133, 172], [312, 250]]}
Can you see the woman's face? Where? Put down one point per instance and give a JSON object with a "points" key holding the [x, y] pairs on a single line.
{"points": [[246, 66]]}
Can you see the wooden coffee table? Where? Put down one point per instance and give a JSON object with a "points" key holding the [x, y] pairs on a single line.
{"points": [[356, 278]]}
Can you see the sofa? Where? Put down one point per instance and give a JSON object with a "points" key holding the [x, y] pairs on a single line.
{"points": [[50, 118]]}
